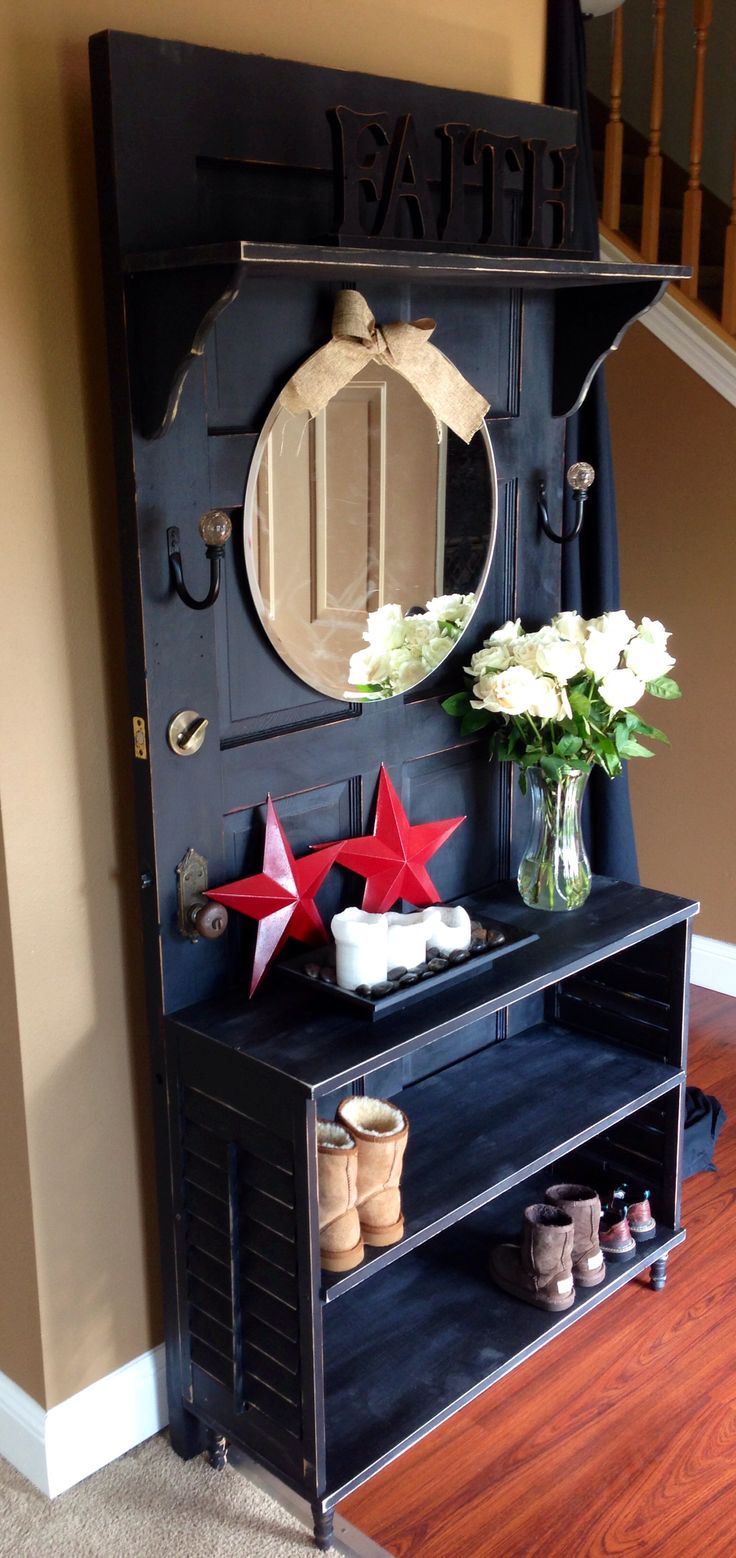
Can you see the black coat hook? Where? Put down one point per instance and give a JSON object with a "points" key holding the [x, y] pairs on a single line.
{"points": [[580, 478], [215, 528]]}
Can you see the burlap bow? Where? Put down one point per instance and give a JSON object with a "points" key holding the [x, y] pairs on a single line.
{"points": [[404, 346]]}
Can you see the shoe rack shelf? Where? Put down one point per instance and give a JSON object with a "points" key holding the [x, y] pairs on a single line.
{"points": [[327, 1378], [513, 1108], [434, 1333]]}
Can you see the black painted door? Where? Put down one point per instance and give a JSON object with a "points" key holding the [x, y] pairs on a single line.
{"points": [[268, 731]]}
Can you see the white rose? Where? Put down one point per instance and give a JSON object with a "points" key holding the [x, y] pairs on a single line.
{"points": [[368, 666], [450, 608], [435, 650], [600, 653], [505, 634], [506, 692], [615, 625], [570, 625], [559, 658], [406, 673], [621, 690], [495, 657], [549, 702], [524, 649], [648, 660], [419, 630], [654, 632], [385, 627]]}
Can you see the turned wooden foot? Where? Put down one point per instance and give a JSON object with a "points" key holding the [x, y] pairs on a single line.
{"points": [[323, 1523], [658, 1273], [216, 1450]]}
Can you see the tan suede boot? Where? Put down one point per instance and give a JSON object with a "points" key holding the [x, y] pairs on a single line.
{"points": [[380, 1131], [340, 1240], [584, 1207], [540, 1270]]}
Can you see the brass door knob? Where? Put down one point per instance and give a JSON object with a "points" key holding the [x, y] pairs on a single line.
{"points": [[208, 920]]}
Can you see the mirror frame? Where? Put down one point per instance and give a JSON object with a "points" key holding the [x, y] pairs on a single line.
{"points": [[266, 622]]}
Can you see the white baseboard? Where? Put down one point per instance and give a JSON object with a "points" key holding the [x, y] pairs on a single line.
{"points": [[58, 1448], [714, 965]]}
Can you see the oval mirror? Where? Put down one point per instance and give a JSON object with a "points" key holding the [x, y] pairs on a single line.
{"points": [[367, 539]]}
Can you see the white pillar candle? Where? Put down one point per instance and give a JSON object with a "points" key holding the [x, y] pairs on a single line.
{"points": [[407, 939], [361, 943], [449, 930]]}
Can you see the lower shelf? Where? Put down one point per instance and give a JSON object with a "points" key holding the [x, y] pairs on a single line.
{"points": [[427, 1335]]}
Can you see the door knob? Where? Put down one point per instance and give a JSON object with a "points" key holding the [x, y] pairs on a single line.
{"points": [[186, 732], [208, 920]]}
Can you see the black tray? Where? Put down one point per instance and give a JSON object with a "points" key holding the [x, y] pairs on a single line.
{"points": [[319, 957]]}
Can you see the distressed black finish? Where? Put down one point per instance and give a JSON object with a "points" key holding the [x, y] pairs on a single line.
{"points": [[216, 197], [386, 1351]]}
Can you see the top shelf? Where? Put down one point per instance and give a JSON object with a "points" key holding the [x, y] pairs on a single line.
{"points": [[313, 1043], [262, 259]]}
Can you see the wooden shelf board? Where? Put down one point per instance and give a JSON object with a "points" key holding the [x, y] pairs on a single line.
{"points": [[434, 1333], [474, 267], [319, 1047], [489, 1121]]}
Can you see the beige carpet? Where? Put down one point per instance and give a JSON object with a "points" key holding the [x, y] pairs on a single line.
{"points": [[149, 1504]]}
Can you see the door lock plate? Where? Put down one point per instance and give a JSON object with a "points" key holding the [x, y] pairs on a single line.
{"points": [[192, 878], [186, 732]]}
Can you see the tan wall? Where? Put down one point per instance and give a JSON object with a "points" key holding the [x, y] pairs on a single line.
{"points": [[674, 442], [76, 1055]]}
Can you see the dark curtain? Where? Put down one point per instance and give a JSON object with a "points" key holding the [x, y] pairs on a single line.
{"points": [[590, 576]]}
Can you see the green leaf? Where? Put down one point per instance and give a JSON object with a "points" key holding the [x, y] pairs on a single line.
{"points": [[633, 748], [642, 729], [457, 703], [553, 765], [664, 687], [621, 737], [474, 720], [579, 701], [568, 746]]}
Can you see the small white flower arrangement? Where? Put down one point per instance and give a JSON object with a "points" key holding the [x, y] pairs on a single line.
{"points": [[562, 698], [403, 649]]}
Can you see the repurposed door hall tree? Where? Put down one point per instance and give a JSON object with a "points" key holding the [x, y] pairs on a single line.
{"points": [[237, 194]]}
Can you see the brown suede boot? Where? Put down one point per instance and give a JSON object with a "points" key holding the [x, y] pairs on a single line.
{"points": [[340, 1240], [540, 1271], [380, 1131], [584, 1207]]}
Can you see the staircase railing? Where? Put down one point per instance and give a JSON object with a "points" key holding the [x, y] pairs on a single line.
{"points": [[717, 280]]}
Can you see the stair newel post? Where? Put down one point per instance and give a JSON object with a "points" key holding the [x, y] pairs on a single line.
{"points": [[653, 166], [728, 310], [614, 142], [692, 209]]}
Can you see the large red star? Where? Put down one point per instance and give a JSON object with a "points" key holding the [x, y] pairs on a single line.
{"points": [[393, 857], [280, 897]]}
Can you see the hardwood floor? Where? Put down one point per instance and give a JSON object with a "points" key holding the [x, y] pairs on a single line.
{"points": [[620, 1437]]}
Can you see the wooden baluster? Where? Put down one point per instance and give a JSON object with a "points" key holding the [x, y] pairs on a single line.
{"points": [[653, 165], [614, 143], [728, 311], [692, 208]]}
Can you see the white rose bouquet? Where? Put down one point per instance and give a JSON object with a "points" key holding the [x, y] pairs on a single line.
{"points": [[562, 699], [402, 650]]}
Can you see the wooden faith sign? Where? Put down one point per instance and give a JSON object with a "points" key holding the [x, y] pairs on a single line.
{"points": [[386, 180]]}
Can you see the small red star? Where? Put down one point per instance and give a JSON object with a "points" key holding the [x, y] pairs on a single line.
{"points": [[393, 857], [280, 897]]}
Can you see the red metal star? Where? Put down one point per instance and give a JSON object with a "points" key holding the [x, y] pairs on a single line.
{"points": [[280, 897], [393, 857]]}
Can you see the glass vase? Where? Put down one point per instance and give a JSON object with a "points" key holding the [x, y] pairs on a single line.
{"points": [[555, 871]]}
